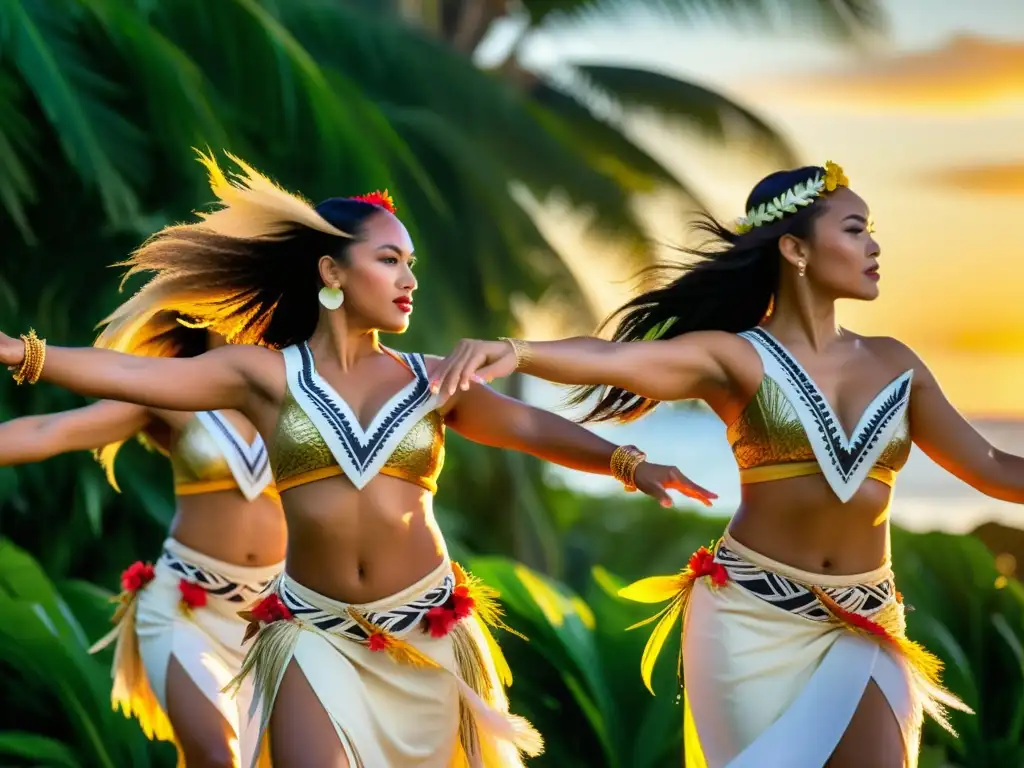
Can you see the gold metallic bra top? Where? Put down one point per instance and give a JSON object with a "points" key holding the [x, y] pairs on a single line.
{"points": [[788, 429], [319, 436], [210, 455]]}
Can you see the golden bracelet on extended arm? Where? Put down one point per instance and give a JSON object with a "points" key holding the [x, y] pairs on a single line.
{"points": [[521, 349], [31, 367], [625, 459]]}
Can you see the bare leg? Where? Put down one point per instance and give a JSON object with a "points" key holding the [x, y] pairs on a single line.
{"points": [[301, 732], [873, 736], [201, 730]]}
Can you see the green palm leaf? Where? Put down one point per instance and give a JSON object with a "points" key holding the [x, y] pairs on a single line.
{"points": [[16, 143], [99, 144], [717, 116], [839, 19]]}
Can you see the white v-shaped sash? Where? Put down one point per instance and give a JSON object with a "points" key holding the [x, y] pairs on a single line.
{"points": [[844, 460], [249, 463], [359, 453]]}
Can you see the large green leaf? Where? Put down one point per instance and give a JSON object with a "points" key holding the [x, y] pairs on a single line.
{"points": [[40, 750]]}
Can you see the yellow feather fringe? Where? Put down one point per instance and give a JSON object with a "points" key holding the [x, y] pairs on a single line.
{"points": [[254, 206], [131, 692], [489, 735], [657, 589], [924, 666]]}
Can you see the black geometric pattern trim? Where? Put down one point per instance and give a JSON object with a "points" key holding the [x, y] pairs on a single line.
{"points": [[845, 460], [396, 621], [360, 455], [214, 583], [862, 599], [254, 456]]}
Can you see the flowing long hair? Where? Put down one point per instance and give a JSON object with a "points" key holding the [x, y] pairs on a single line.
{"points": [[727, 284], [247, 270]]}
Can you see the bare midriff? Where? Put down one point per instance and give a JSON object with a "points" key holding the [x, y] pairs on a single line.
{"points": [[358, 546], [800, 522], [226, 526]]}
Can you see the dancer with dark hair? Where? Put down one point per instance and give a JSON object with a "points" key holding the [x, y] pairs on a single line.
{"points": [[794, 644], [373, 647], [178, 634]]}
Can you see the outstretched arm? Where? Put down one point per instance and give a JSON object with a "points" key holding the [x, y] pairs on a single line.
{"points": [[484, 416], [35, 438], [220, 379], [950, 441], [676, 369]]}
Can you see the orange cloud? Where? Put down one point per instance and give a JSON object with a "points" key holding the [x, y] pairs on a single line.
{"points": [[966, 70], [996, 179]]}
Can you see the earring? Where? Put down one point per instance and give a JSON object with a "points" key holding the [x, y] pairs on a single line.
{"points": [[801, 267], [331, 298]]}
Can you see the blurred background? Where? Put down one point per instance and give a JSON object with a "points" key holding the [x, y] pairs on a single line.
{"points": [[541, 152]]}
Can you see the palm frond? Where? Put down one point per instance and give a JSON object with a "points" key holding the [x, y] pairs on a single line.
{"points": [[396, 64], [606, 145], [714, 114], [179, 101], [16, 143], [102, 147], [839, 20]]}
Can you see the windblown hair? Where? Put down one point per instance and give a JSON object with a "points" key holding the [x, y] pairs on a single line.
{"points": [[157, 333], [727, 285], [247, 271]]}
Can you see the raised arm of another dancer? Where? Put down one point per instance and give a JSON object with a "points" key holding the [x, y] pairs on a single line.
{"points": [[36, 438], [484, 416], [230, 377]]}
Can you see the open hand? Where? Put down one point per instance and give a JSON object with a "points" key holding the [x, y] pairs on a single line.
{"points": [[472, 360], [12, 351], [656, 480]]}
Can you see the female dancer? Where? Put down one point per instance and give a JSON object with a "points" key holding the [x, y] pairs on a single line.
{"points": [[371, 649], [794, 649], [178, 633]]}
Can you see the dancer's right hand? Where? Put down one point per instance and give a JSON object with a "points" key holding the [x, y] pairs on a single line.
{"points": [[12, 351]]}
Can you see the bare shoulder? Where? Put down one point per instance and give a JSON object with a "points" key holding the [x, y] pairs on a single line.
{"points": [[896, 354], [263, 367], [734, 354]]}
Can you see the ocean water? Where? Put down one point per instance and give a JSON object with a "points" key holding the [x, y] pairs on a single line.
{"points": [[926, 496]]}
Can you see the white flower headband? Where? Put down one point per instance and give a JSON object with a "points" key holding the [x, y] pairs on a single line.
{"points": [[797, 196]]}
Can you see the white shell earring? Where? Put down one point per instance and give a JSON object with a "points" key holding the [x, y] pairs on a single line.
{"points": [[331, 298], [801, 267]]}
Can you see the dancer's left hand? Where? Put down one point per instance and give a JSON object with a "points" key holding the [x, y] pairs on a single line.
{"points": [[656, 480]]}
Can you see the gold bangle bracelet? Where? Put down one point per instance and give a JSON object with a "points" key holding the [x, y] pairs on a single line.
{"points": [[520, 348], [31, 367], [624, 462]]}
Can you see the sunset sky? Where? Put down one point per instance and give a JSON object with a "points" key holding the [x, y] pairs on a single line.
{"points": [[929, 127]]}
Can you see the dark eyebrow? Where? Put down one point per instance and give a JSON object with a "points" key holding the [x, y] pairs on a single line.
{"points": [[395, 249], [857, 217]]}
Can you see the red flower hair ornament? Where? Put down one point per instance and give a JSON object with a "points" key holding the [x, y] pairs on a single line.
{"points": [[380, 199]]}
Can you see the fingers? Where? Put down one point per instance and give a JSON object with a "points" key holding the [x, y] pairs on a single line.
{"points": [[490, 372], [659, 494], [687, 487], [450, 371], [441, 374], [469, 370]]}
